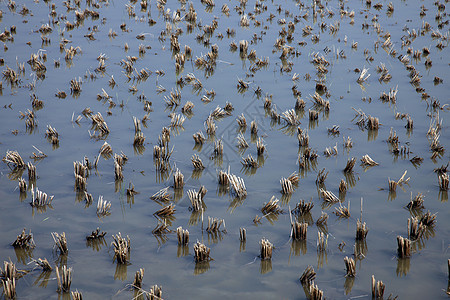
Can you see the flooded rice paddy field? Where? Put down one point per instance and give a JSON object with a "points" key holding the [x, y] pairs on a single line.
{"points": [[78, 65]]}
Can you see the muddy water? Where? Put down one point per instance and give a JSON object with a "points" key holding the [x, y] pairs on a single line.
{"points": [[236, 270]]}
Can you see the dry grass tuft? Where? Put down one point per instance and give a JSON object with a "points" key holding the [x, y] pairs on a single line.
{"points": [[271, 207], [60, 242], [64, 279], [308, 276], [103, 207], [182, 236], [122, 248], [361, 230], [403, 247], [201, 253], [138, 277], [302, 208], [328, 196], [299, 230], [24, 241], [265, 249], [377, 288], [350, 266]]}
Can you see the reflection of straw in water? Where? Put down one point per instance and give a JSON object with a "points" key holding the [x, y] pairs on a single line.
{"points": [[43, 279], [201, 267], [195, 217], [182, 250], [322, 242], [265, 266], [299, 247], [236, 202], [24, 255], [17, 173], [348, 284], [403, 265], [97, 243], [121, 272], [214, 237], [428, 220]]}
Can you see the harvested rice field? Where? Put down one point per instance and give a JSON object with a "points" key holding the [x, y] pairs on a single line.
{"points": [[207, 149]]}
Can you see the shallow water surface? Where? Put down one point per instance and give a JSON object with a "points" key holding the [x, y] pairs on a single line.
{"points": [[283, 74]]}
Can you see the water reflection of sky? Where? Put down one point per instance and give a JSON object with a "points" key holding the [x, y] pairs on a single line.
{"points": [[235, 269]]}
